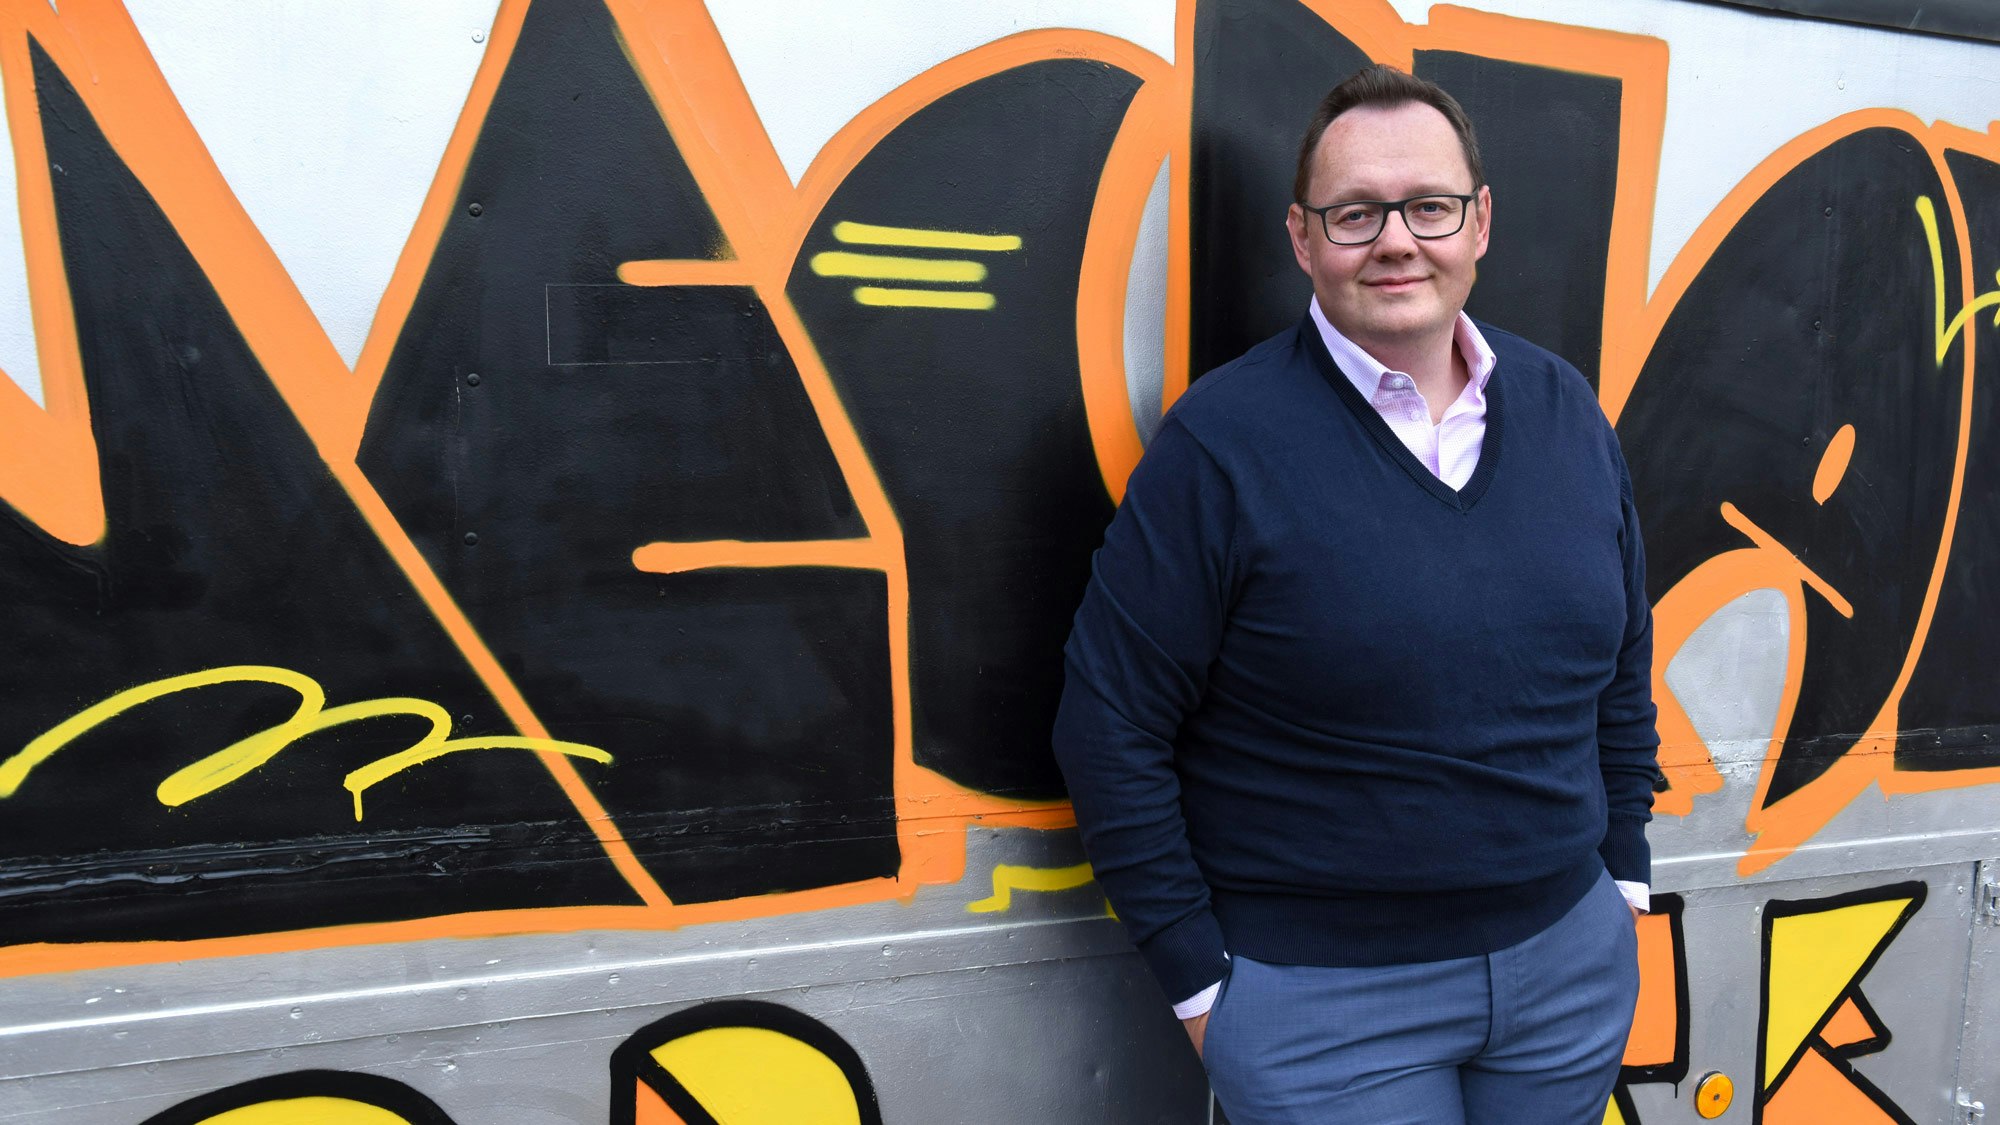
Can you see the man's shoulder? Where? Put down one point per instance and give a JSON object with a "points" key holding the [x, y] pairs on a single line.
{"points": [[1528, 367], [1248, 382]]}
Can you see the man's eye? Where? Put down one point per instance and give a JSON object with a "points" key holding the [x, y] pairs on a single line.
{"points": [[1432, 208], [1354, 217]]}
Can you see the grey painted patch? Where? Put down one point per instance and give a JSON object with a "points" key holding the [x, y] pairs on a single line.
{"points": [[18, 355], [1146, 311], [1730, 675]]}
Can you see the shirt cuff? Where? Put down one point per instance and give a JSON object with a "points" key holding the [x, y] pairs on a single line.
{"points": [[1198, 1004], [1637, 895]]}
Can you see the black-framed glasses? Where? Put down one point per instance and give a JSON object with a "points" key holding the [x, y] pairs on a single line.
{"points": [[1359, 222]]}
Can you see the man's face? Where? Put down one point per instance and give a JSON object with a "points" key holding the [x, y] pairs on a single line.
{"points": [[1399, 292]]}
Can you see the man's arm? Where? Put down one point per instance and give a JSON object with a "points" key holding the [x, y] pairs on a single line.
{"points": [[1627, 737], [1137, 662]]}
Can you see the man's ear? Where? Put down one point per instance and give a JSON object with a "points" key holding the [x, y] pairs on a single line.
{"points": [[1483, 218], [1298, 225]]}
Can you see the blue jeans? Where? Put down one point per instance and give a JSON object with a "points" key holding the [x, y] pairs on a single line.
{"points": [[1532, 1034]]}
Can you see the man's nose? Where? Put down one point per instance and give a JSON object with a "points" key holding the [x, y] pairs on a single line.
{"points": [[1395, 239]]}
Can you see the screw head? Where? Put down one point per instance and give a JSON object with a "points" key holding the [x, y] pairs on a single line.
{"points": [[472, 379], [471, 538], [475, 210]]}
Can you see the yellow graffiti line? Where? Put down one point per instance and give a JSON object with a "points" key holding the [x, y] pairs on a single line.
{"points": [[922, 298], [1008, 878], [311, 698], [231, 762], [383, 768], [1945, 334], [241, 757], [1736, 519], [886, 267], [865, 234]]}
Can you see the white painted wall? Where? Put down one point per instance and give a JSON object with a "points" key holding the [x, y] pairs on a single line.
{"points": [[328, 120]]}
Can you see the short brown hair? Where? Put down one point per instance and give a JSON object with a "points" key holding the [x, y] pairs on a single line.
{"points": [[1377, 84]]}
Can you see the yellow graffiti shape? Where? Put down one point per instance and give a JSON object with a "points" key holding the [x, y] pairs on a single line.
{"points": [[756, 1076], [867, 234], [883, 267], [15, 769], [1008, 878], [1946, 333], [241, 757], [1813, 960], [922, 298], [307, 1111]]}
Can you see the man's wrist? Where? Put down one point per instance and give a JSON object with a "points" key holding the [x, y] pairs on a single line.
{"points": [[1638, 896], [1199, 1003]]}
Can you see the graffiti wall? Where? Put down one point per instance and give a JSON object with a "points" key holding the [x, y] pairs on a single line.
{"points": [[536, 536]]}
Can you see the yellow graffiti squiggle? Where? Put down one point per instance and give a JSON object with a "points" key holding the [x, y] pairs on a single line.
{"points": [[240, 757], [15, 769], [1945, 334], [1010, 877]]}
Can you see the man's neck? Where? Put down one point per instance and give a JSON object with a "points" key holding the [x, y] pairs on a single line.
{"points": [[1434, 365], [1434, 361]]}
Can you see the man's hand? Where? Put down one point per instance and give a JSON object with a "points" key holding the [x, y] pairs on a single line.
{"points": [[1197, 1029], [1636, 914]]}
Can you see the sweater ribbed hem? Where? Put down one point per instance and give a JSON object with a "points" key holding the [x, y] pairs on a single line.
{"points": [[1397, 929]]}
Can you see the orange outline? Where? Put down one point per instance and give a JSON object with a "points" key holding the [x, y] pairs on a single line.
{"points": [[1129, 171], [1640, 64], [1782, 827], [681, 60], [48, 469]]}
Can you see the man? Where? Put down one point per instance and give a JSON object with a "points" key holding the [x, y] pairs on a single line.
{"points": [[1358, 719]]}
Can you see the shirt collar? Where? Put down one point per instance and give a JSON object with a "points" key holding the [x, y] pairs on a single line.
{"points": [[1366, 372]]}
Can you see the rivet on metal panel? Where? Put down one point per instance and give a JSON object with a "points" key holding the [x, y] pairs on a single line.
{"points": [[1970, 1112], [475, 210], [471, 538], [1713, 1094], [472, 379]]}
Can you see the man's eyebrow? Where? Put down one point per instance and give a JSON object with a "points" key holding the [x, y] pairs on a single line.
{"points": [[1434, 187]]}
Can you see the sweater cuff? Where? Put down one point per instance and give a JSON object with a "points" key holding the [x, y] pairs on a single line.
{"points": [[1187, 956], [1625, 851]]}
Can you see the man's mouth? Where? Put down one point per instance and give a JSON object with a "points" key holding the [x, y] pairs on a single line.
{"points": [[1393, 284]]}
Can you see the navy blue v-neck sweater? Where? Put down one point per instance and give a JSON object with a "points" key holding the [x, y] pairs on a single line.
{"points": [[1322, 708]]}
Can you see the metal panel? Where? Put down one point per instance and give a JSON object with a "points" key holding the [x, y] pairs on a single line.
{"points": [[1967, 19], [1979, 1050], [1911, 988]]}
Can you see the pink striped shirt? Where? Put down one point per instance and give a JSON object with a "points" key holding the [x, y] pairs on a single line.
{"points": [[1449, 449]]}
